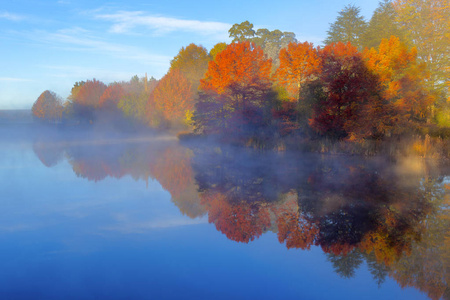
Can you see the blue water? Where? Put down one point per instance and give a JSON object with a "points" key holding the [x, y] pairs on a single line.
{"points": [[63, 236]]}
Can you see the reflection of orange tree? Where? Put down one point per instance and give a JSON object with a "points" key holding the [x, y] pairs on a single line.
{"points": [[293, 227], [168, 163], [240, 221], [48, 153], [173, 170]]}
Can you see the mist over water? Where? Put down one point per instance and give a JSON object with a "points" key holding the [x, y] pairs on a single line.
{"points": [[111, 215]]}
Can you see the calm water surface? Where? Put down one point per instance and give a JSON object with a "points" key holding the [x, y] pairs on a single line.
{"points": [[147, 218]]}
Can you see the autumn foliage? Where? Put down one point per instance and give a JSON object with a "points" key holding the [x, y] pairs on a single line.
{"points": [[171, 99], [48, 107], [299, 62]]}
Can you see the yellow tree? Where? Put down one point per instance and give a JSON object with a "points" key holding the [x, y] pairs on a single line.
{"points": [[298, 62], [402, 78], [427, 25], [192, 62]]}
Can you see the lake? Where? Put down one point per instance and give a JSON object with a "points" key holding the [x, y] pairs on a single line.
{"points": [[110, 216]]}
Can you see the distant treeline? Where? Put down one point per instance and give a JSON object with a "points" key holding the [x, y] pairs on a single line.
{"points": [[388, 77]]}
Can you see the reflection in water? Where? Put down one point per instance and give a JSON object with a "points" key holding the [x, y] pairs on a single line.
{"points": [[356, 210]]}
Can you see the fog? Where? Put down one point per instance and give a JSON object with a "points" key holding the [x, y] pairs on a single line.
{"points": [[387, 211]]}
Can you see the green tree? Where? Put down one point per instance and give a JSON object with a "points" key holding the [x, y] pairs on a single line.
{"points": [[349, 27], [241, 32], [427, 25], [133, 102], [382, 25]]}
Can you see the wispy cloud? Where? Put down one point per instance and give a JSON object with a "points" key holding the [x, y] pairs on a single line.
{"points": [[140, 227], [15, 79], [71, 71], [10, 16], [79, 39], [125, 21]]}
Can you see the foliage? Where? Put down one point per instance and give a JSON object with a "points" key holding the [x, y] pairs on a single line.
{"points": [[241, 32], [402, 79], [298, 63], [427, 25], [348, 105], [382, 25], [88, 93], [219, 47], [236, 87], [270, 41], [48, 107], [112, 94], [134, 100], [171, 99], [349, 27], [192, 62]]}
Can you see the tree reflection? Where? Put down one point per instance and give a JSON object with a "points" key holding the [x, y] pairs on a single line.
{"points": [[356, 210], [166, 162]]}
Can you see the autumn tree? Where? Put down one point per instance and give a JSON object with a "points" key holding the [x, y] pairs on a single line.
{"points": [[192, 62], [172, 99], [427, 26], [88, 93], [402, 79], [219, 47], [349, 27], [133, 103], [112, 94], [48, 107], [347, 100], [237, 83], [298, 63]]}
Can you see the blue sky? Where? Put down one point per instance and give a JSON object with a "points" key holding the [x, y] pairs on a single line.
{"points": [[53, 44]]}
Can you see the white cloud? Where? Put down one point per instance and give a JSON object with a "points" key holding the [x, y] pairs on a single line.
{"points": [[127, 226], [10, 16], [14, 79], [78, 39], [125, 21]]}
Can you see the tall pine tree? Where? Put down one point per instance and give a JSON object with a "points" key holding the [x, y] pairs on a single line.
{"points": [[382, 25], [349, 27]]}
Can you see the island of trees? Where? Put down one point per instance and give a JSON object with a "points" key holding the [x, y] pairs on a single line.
{"points": [[388, 78]]}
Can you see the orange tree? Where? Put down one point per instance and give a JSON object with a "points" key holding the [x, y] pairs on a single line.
{"points": [[171, 101], [298, 63], [48, 107], [403, 80], [235, 91]]}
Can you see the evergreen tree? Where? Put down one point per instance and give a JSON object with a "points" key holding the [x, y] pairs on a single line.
{"points": [[382, 25], [348, 27]]}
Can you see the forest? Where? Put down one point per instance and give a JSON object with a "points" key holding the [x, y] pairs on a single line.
{"points": [[386, 79]]}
